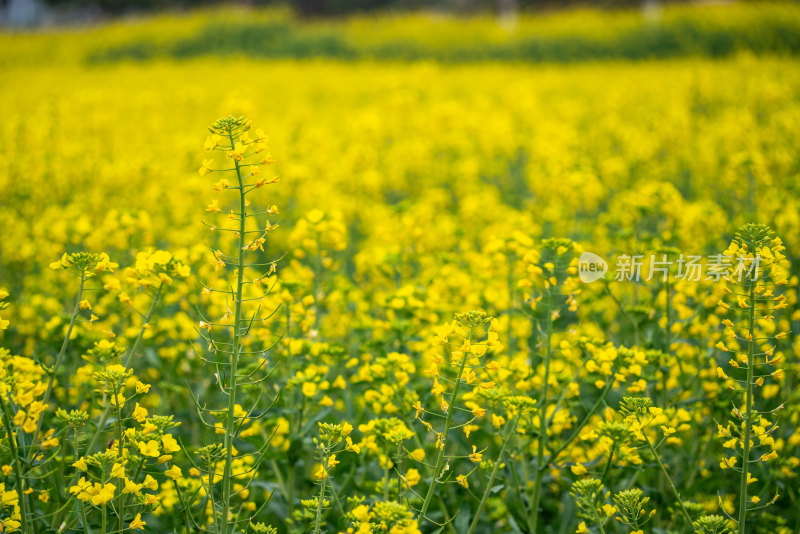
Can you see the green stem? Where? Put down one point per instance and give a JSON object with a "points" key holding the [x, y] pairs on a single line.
{"points": [[336, 500], [278, 475], [631, 320], [51, 381], [597, 519], [227, 479], [321, 498], [577, 431], [103, 528], [386, 479], [131, 356], [443, 443], [214, 514], [542, 442], [86, 528], [128, 362], [290, 504], [748, 423], [497, 462], [16, 460], [185, 505], [665, 370], [512, 342], [518, 487], [292, 456], [107, 411], [121, 497], [608, 464], [667, 477]]}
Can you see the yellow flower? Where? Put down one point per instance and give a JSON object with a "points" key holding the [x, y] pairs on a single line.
{"points": [[352, 446], [137, 523], [118, 471], [173, 472], [417, 454], [102, 494], [442, 332], [169, 444], [361, 513], [309, 389], [332, 461], [320, 473], [150, 483], [81, 487], [139, 413], [498, 421], [475, 457], [131, 487], [148, 448], [206, 167], [578, 469], [8, 498], [81, 465], [769, 456], [412, 478]]}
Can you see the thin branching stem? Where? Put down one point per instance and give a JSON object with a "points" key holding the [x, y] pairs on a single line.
{"points": [[227, 479], [54, 372]]}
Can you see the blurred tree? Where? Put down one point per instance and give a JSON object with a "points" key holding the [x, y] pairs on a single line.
{"points": [[26, 12], [21, 12]]}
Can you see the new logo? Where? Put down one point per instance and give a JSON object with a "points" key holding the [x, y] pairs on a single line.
{"points": [[591, 267]]}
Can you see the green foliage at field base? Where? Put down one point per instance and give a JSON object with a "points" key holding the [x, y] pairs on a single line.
{"points": [[680, 31]]}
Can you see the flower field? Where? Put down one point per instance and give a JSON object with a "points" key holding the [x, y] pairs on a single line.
{"points": [[348, 293]]}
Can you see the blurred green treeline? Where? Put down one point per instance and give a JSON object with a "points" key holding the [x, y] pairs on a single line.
{"points": [[566, 36]]}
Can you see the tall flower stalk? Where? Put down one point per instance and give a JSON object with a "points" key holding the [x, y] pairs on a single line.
{"points": [[465, 358], [516, 407], [86, 265], [757, 268], [331, 438], [554, 266], [247, 154]]}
